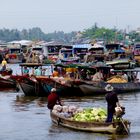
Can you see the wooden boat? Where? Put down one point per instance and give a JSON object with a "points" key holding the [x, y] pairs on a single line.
{"points": [[92, 88], [8, 83], [32, 87], [121, 127], [98, 88], [63, 89]]}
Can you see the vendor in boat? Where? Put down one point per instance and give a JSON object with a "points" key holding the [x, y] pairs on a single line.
{"points": [[55, 73], [38, 71], [125, 76], [53, 99], [98, 76], [25, 71], [112, 102]]}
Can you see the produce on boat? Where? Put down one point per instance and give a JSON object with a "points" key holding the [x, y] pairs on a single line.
{"points": [[88, 119]]}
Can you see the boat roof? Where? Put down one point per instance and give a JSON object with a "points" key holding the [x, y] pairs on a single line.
{"points": [[127, 70], [117, 61], [82, 46], [31, 64], [84, 66]]}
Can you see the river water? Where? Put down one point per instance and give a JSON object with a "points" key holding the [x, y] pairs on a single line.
{"points": [[27, 118]]}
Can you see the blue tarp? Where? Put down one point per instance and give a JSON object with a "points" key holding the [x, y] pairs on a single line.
{"points": [[82, 46], [119, 51]]}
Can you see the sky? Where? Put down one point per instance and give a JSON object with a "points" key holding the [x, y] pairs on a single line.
{"points": [[69, 15]]}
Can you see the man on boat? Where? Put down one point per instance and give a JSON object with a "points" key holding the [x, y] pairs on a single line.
{"points": [[98, 76], [112, 102], [53, 99]]}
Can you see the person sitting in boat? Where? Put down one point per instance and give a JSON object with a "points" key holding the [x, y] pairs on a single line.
{"points": [[53, 99], [48, 71], [112, 102], [4, 64], [38, 71], [55, 73], [25, 71], [125, 76], [98, 76]]}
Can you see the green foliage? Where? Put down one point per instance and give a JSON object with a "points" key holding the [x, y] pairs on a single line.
{"points": [[91, 114], [91, 34]]}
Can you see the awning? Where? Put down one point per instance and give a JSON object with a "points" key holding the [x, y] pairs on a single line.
{"points": [[82, 46]]}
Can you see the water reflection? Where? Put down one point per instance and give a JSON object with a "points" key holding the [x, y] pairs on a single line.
{"points": [[22, 103]]}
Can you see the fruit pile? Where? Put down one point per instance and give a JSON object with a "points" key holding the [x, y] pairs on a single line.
{"points": [[117, 79]]}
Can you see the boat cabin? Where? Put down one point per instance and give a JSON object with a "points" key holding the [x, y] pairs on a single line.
{"points": [[81, 50], [113, 51], [14, 54], [95, 53]]}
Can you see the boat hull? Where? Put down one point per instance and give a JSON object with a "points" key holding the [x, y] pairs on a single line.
{"points": [[31, 88], [98, 88], [7, 84], [62, 89]]}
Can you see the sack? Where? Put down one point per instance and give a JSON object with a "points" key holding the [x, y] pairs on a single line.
{"points": [[119, 111]]}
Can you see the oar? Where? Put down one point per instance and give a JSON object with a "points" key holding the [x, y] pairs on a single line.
{"points": [[126, 129]]}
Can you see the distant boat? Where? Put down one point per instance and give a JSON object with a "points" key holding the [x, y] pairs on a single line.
{"points": [[14, 54], [96, 88]]}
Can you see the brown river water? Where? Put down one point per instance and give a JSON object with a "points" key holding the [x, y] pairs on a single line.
{"points": [[27, 118]]}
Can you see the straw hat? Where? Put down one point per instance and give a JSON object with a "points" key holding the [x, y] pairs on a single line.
{"points": [[53, 90], [109, 88]]}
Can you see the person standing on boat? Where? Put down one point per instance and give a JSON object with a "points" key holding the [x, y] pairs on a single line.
{"points": [[53, 99], [112, 102]]}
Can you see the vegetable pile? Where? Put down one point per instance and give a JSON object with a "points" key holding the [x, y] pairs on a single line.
{"points": [[81, 114], [91, 114]]}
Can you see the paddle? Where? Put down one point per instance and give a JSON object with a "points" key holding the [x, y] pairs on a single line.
{"points": [[126, 129]]}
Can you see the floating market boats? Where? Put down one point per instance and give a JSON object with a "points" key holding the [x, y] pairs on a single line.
{"points": [[30, 85]]}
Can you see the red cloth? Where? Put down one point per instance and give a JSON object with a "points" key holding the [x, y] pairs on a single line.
{"points": [[53, 98]]}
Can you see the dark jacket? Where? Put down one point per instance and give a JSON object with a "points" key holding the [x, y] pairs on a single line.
{"points": [[112, 99]]}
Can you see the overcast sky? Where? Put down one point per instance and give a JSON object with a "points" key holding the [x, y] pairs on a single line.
{"points": [[69, 15]]}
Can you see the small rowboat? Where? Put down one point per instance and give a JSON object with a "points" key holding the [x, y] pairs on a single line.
{"points": [[118, 127]]}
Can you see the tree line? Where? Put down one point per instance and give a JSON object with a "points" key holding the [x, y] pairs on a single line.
{"points": [[93, 33]]}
